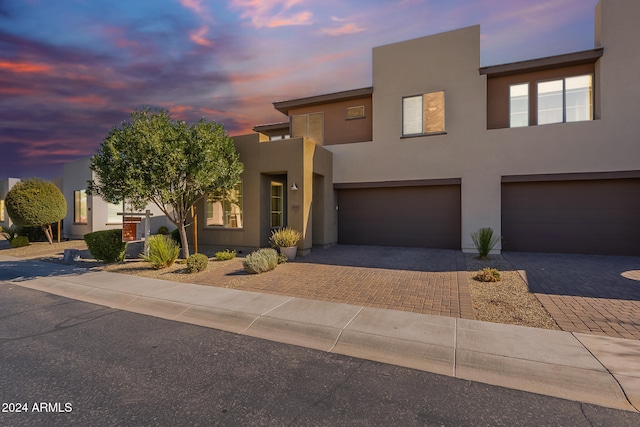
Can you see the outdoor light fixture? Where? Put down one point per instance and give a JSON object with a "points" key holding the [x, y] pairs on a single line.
{"points": [[294, 187]]}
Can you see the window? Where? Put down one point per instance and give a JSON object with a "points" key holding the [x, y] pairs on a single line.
{"points": [[309, 126], [423, 114], [565, 100], [519, 105], [277, 204], [1, 210], [112, 213], [355, 112], [80, 206], [224, 208]]}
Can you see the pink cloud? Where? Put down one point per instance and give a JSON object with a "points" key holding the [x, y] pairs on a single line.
{"points": [[272, 13], [198, 36], [345, 29], [194, 5], [92, 100], [24, 67]]}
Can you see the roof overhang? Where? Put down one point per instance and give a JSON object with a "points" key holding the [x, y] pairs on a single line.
{"points": [[271, 127], [541, 64], [285, 106]]}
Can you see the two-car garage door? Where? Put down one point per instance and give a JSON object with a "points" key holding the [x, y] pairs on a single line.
{"points": [[589, 216], [410, 215]]}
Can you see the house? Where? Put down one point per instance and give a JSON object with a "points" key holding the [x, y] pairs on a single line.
{"points": [[545, 151], [87, 213], [5, 185]]}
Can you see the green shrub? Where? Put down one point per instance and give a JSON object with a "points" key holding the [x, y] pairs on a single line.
{"points": [[19, 241], [36, 203], [163, 252], [225, 255], [260, 261], [175, 235], [484, 241], [285, 237], [163, 230], [197, 262], [282, 258], [106, 245], [488, 275]]}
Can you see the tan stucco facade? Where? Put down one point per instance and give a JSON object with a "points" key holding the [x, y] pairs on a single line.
{"points": [[481, 157], [309, 206]]}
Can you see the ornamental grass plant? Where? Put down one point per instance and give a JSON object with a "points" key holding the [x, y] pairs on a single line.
{"points": [[285, 237], [163, 251], [484, 241]]}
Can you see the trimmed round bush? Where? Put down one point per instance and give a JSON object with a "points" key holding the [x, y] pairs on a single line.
{"points": [[163, 230], [106, 245], [36, 203], [197, 263], [262, 260], [19, 241]]}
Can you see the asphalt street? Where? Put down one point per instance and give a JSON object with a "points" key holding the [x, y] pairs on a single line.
{"points": [[66, 362]]}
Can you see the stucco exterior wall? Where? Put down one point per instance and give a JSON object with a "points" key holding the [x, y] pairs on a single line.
{"points": [[6, 185], [480, 157]]}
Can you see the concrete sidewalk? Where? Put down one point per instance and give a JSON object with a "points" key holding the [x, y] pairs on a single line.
{"points": [[587, 368]]}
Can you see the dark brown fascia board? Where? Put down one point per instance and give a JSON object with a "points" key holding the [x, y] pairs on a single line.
{"points": [[575, 176], [285, 106], [408, 183], [541, 64], [271, 126]]}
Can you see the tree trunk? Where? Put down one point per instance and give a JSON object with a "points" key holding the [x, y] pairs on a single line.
{"points": [[184, 241], [48, 233]]}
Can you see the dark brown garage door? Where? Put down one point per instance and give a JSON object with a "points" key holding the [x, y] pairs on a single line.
{"points": [[590, 216], [419, 216]]}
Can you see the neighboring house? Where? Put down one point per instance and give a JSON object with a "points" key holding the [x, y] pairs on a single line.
{"points": [[5, 185], [546, 152], [87, 213]]}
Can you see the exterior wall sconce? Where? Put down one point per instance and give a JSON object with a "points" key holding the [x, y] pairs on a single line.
{"points": [[294, 187]]}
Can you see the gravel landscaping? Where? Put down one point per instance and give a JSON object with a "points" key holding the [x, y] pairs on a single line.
{"points": [[507, 301]]}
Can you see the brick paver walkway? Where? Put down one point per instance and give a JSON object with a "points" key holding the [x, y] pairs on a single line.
{"points": [[585, 293], [428, 281]]}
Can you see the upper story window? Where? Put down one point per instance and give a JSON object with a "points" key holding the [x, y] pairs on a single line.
{"points": [[519, 105], [565, 100], [224, 209], [423, 114], [80, 206], [309, 126]]}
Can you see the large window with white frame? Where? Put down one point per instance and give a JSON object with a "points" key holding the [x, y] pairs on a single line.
{"points": [[565, 100], [224, 208], [80, 206], [423, 114]]}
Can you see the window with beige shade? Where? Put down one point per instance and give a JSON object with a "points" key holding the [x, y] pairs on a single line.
{"points": [[308, 126], [423, 114], [224, 209]]}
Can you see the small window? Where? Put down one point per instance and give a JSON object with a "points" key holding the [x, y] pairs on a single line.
{"points": [[565, 100], [277, 204], [355, 112], [1, 210], [80, 206], [224, 208], [519, 105], [423, 114]]}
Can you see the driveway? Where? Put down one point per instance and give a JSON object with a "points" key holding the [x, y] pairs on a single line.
{"points": [[585, 293], [427, 281]]}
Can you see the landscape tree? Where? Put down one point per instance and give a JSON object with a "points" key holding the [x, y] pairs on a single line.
{"points": [[36, 203], [174, 164]]}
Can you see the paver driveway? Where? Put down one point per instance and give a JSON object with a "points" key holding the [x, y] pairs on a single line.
{"points": [[585, 293], [428, 281]]}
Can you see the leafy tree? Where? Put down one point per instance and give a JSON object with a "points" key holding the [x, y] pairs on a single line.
{"points": [[36, 203], [172, 163]]}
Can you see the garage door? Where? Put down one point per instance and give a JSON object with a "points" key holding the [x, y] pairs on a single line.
{"points": [[590, 216], [415, 216]]}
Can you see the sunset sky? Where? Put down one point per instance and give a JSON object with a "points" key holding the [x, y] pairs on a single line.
{"points": [[72, 69]]}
